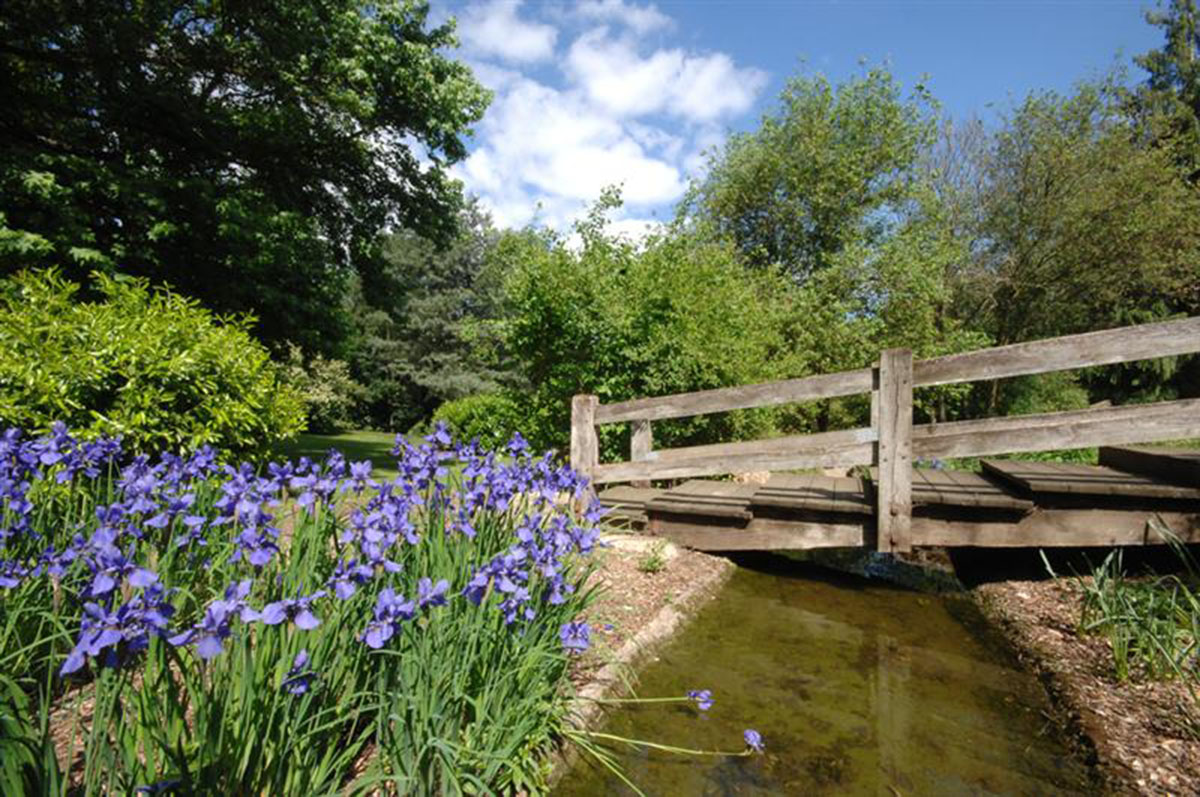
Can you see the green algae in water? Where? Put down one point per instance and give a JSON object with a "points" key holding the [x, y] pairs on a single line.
{"points": [[856, 689]]}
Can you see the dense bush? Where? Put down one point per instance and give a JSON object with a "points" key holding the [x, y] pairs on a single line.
{"points": [[330, 394], [147, 365], [624, 321], [490, 418]]}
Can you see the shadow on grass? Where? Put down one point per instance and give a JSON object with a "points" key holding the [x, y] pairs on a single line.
{"points": [[355, 445]]}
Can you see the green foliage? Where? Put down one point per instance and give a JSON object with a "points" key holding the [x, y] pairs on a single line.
{"points": [[456, 700], [1169, 101], [1152, 623], [492, 418], [424, 324], [623, 321], [247, 155], [148, 365], [822, 173], [654, 560], [329, 394], [1083, 227]]}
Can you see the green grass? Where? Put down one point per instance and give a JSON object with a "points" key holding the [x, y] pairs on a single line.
{"points": [[355, 445]]}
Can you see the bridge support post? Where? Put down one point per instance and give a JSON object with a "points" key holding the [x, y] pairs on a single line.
{"points": [[641, 442], [894, 453], [585, 446]]}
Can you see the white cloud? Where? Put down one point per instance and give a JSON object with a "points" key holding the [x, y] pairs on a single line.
{"points": [[494, 29], [697, 87], [640, 19], [606, 111], [552, 146]]}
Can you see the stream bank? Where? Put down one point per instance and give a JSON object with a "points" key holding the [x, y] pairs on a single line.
{"points": [[1134, 733]]}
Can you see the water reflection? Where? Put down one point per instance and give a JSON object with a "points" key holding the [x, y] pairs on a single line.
{"points": [[856, 688]]}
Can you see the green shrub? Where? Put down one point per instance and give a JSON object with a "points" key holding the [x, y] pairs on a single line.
{"points": [[625, 321], [145, 364], [490, 417], [329, 393]]}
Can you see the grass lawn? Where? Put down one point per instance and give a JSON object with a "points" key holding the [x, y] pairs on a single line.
{"points": [[355, 445]]}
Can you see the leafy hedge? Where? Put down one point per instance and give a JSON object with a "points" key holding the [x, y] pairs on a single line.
{"points": [[490, 418], [146, 364]]}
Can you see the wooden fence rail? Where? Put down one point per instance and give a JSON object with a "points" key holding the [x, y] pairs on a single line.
{"points": [[892, 440]]}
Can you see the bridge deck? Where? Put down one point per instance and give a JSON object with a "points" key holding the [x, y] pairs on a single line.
{"points": [[1009, 504]]}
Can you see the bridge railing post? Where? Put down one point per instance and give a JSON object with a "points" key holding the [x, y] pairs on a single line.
{"points": [[892, 411], [641, 443], [585, 445]]}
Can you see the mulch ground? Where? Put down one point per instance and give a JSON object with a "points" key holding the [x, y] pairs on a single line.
{"points": [[628, 598], [1134, 732]]}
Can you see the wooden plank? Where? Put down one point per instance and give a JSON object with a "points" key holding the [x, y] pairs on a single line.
{"points": [[1062, 478], [1124, 344], [740, 397], [1141, 423], [816, 443], [954, 488], [762, 534], [629, 496], [1049, 528], [706, 499], [585, 447], [1177, 465], [641, 441], [894, 488], [827, 449], [813, 493]]}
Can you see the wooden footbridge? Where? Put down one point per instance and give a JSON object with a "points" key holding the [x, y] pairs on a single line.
{"points": [[892, 505]]}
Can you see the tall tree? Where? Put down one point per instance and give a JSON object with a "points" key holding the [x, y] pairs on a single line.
{"points": [[246, 153], [422, 323], [828, 169], [1171, 97], [1079, 225]]}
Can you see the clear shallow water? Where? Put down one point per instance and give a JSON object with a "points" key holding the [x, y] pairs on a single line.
{"points": [[856, 687]]}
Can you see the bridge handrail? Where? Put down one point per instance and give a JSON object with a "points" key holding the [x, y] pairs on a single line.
{"points": [[1106, 347], [892, 440]]}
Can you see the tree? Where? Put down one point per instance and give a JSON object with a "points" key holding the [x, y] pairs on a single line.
{"points": [[1080, 226], [827, 170], [622, 321], [424, 323], [248, 154], [1170, 98]]}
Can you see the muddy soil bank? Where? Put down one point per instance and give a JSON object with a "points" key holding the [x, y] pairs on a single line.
{"points": [[1135, 733]]}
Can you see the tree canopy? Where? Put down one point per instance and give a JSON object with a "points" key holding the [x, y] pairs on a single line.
{"points": [[828, 169], [246, 154]]}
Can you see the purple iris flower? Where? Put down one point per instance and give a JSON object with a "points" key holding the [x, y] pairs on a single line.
{"points": [[754, 740], [212, 631], [295, 609], [429, 594], [299, 677], [703, 698], [576, 637], [391, 609]]}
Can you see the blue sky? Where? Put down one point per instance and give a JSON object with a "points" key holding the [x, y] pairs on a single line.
{"points": [[601, 92]]}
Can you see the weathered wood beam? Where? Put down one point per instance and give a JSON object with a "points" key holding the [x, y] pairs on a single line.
{"points": [[826, 449], [894, 486], [724, 399], [1056, 528], [1138, 423], [1125, 344], [585, 446], [641, 442], [761, 534]]}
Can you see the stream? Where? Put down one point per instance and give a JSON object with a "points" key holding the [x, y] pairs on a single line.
{"points": [[856, 687]]}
